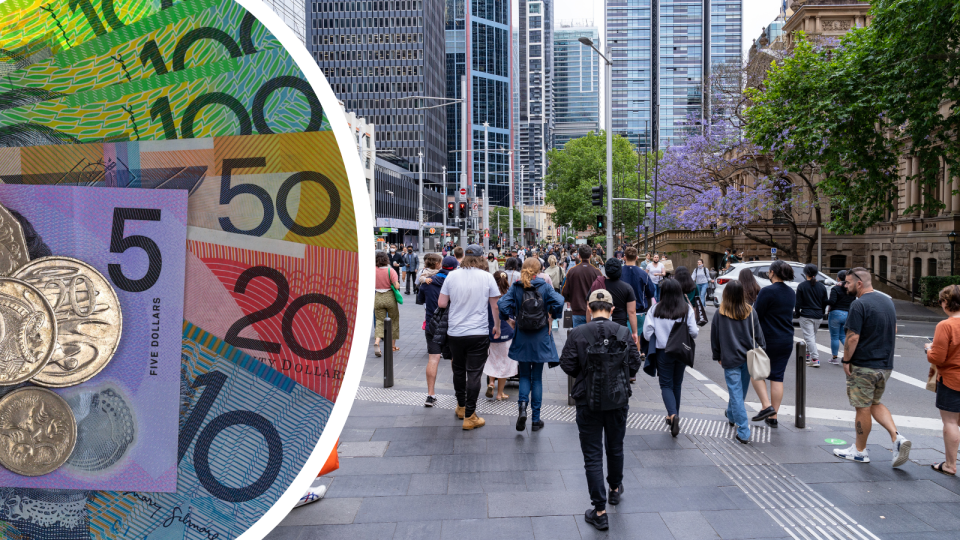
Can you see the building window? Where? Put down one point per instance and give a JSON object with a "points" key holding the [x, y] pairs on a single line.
{"points": [[931, 267], [882, 272]]}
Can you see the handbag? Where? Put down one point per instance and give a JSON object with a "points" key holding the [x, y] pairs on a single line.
{"points": [[758, 363], [932, 381], [680, 344], [568, 318], [396, 294], [700, 311]]}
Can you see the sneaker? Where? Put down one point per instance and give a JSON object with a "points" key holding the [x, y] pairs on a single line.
{"points": [[601, 523], [313, 494], [815, 363], [808, 359], [836, 361], [764, 414], [460, 412], [853, 454], [901, 450], [614, 496], [473, 421], [430, 401]]}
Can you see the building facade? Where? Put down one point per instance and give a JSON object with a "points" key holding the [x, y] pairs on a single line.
{"points": [[536, 83], [576, 84], [293, 13], [381, 57], [364, 135], [397, 198]]}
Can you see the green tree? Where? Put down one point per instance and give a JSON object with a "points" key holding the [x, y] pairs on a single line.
{"points": [[501, 215]]}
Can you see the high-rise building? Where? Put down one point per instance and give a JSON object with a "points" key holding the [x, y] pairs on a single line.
{"points": [[663, 52], [291, 12], [478, 52], [535, 79], [576, 84], [380, 57]]}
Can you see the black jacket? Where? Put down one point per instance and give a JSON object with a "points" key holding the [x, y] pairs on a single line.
{"points": [[573, 360], [396, 261], [839, 299], [429, 294], [730, 340], [811, 299]]}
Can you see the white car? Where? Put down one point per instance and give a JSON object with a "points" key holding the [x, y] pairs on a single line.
{"points": [[759, 270]]}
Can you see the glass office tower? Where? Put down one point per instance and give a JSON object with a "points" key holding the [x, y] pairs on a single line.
{"points": [[576, 84], [535, 79], [293, 13]]}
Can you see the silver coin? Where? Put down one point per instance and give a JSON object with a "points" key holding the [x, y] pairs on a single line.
{"points": [[28, 331], [37, 431], [89, 319], [13, 245]]}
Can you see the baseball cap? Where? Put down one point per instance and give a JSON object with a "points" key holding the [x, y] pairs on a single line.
{"points": [[600, 295], [473, 250], [449, 263]]}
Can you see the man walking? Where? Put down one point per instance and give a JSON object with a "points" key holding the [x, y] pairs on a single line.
{"points": [[576, 288], [602, 397], [868, 363], [396, 260], [411, 261], [811, 303]]}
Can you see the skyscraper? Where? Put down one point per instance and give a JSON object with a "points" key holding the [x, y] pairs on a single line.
{"points": [[376, 55], [576, 84], [535, 79], [292, 13], [478, 50]]}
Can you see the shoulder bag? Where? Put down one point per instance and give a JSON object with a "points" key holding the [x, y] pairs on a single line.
{"points": [[396, 292], [932, 381], [758, 363], [700, 311], [680, 344]]}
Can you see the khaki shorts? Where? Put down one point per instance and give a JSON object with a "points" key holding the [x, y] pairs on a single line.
{"points": [[865, 386]]}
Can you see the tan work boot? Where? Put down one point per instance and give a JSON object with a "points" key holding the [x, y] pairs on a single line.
{"points": [[473, 422], [460, 412]]}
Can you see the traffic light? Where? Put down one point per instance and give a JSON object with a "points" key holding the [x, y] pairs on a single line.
{"points": [[463, 210], [449, 210], [596, 195], [600, 222]]}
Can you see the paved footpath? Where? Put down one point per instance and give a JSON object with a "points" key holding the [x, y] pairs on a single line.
{"points": [[409, 472]]}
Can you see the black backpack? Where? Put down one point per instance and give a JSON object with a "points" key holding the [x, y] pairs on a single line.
{"points": [[608, 374], [532, 314]]}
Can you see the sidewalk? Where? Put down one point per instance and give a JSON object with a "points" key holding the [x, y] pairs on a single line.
{"points": [[914, 311], [411, 472]]}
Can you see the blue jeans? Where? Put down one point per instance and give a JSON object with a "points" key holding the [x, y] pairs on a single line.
{"points": [[702, 292], [835, 323], [738, 384], [578, 320], [670, 372], [531, 377], [656, 291]]}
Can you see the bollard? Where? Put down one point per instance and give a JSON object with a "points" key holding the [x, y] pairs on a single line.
{"points": [[387, 352], [801, 412], [570, 400]]}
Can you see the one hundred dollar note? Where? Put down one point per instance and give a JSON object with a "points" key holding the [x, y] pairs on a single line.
{"points": [[264, 93], [127, 412], [189, 34]]}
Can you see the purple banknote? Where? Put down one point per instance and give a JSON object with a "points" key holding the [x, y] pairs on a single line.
{"points": [[127, 412]]}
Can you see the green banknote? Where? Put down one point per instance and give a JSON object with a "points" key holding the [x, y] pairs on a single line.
{"points": [[263, 93], [189, 34]]}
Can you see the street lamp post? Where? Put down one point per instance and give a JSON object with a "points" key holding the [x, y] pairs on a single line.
{"points": [[510, 198], [608, 116], [952, 237], [443, 206], [486, 187], [521, 207], [420, 206]]}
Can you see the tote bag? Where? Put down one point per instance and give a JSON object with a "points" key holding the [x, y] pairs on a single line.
{"points": [[680, 344], [758, 363]]}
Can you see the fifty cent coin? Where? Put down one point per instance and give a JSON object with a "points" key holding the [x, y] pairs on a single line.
{"points": [[28, 331], [89, 320], [37, 431], [13, 245]]}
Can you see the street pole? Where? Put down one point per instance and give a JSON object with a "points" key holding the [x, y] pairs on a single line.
{"points": [[656, 185], [522, 240], [444, 207], [486, 186], [646, 175], [466, 139], [608, 96], [510, 198], [420, 205]]}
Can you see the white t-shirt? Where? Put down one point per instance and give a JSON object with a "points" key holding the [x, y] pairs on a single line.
{"points": [[470, 291], [656, 271]]}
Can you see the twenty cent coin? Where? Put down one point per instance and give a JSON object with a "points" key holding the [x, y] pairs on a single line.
{"points": [[28, 331], [37, 431], [13, 245], [88, 315]]}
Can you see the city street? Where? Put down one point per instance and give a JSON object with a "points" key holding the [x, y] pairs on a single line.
{"points": [[407, 471]]}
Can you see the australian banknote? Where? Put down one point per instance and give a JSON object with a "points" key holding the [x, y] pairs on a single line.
{"points": [[127, 413]]}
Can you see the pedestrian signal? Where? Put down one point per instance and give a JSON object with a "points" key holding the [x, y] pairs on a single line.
{"points": [[463, 210], [596, 196], [450, 210]]}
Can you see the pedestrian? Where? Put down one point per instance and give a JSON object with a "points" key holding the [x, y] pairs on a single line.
{"points": [[458, 253], [602, 398], [466, 293], [432, 278], [701, 277], [411, 262], [492, 264], [659, 322], [396, 261], [512, 268], [868, 363], [774, 306], [622, 294], [735, 331], [555, 272], [499, 366], [384, 301], [657, 272], [810, 309], [751, 287], [944, 357], [839, 302], [530, 307], [646, 261], [576, 288], [687, 285]]}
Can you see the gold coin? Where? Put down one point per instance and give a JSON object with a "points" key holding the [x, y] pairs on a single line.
{"points": [[13, 245], [89, 319], [37, 431], [28, 331]]}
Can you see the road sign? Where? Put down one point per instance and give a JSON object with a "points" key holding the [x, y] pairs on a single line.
{"points": [[432, 230], [475, 206], [463, 192], [486, 234], [773, 251]]}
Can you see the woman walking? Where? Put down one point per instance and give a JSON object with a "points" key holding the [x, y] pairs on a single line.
{"points": [[774, 306], [701, 277], [735, 330], [751, 288], [499, 366], [512, 267], [944, 357], [555, 272], [532, 344], [687, 285], [839, 302], [659, 321], [385, 302], [657, 272]]}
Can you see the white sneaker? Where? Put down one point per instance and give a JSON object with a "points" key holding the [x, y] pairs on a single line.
{"points": [[901, 450], [313, 494], [853, 454]]}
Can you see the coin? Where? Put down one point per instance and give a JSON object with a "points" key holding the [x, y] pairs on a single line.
{"points": [[13, 245], [89, 320], [37, 431], [28, 331]]}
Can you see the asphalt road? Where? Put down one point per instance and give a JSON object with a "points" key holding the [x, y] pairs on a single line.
{"points": [[826, 386]]}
